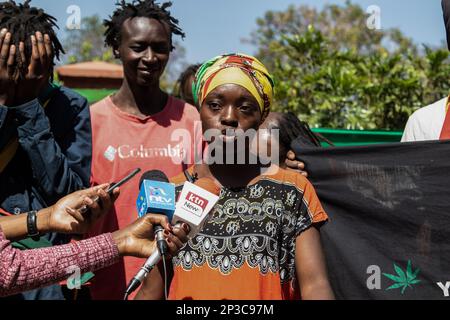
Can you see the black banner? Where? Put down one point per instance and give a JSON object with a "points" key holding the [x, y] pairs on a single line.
{"points": [[389, 207]]}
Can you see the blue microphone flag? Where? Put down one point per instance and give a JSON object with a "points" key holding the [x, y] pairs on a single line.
{"points": [[156, 197]]}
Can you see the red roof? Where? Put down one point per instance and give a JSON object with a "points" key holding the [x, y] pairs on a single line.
{"points": [[94, 69]]}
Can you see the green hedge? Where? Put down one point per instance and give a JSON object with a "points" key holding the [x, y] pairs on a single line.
{"points": [[94, 95], [359, 137]]}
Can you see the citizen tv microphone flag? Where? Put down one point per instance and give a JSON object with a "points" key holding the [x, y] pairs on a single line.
{"points": [[156, 195], [195, 203]]}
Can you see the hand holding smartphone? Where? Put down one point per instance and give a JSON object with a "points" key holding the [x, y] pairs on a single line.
{"points": [[127, 178], [114, 186]]}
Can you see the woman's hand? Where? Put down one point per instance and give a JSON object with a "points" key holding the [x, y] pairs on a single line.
{"points": [[138, 239], [67, 216]]}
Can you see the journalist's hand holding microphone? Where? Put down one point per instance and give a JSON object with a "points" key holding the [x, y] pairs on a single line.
{"points": [[138, 239], [76, 213]]}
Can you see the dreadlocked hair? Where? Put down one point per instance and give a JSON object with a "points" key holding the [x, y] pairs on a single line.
{"points": [[291, 129], [22, 21], [138, 8]]}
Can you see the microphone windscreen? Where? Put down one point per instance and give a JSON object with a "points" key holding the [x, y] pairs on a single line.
{"points": [[154, 175], [156, 194], [209, 185]]}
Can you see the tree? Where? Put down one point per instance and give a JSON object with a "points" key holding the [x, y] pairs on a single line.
{"points": [[332, 71], [175, 67], [87, 43]]}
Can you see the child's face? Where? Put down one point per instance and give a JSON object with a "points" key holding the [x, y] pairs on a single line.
{"points": [[272, 142], [187, 91], [144, 50]]}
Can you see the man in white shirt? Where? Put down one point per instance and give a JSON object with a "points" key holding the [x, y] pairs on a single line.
{"points": [[428, 123]]}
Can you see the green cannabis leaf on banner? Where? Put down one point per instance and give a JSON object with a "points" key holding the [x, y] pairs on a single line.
{"points": [[403, 280]]}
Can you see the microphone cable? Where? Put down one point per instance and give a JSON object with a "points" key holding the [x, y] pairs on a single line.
{"points": [[165, 278]]}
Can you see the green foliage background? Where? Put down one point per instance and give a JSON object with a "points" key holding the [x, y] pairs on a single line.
{"points": [[333, 71], [330, 68]]}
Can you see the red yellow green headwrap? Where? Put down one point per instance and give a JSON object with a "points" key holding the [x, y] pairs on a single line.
{"points": [[239, 69]]}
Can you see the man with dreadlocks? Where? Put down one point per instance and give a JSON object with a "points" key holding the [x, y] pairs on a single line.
{"points": [[132, 128], [45, 132]]}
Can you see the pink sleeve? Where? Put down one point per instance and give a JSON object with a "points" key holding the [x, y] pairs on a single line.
{"points": [[30, 269]]}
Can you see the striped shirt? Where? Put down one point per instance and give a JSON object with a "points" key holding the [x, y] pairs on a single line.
{"points": [[30, 269]]}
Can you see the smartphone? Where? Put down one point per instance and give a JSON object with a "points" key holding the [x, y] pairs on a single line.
{"points": [[113, 186]]}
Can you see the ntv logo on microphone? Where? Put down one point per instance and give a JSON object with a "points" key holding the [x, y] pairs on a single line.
{"points": [[159, 195], [156, 197], [195, 204]]}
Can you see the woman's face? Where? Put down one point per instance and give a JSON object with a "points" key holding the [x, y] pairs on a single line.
{"points": [[229, 108]]}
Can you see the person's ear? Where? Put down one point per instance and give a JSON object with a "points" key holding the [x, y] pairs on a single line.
{"points": [[116, 53]]}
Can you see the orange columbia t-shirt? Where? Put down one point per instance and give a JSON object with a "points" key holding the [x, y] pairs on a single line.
{"points": [[123, 142]]}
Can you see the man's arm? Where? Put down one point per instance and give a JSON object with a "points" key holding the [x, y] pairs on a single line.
{"points": [[59, 173], [59, 169], [15, 227]]}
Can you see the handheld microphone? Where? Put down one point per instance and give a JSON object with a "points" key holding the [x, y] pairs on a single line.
{"points": [[156, 195], [195, 203], [193, 207]]}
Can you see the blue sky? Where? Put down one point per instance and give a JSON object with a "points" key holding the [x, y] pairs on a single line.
{"points": [[217, 26]]}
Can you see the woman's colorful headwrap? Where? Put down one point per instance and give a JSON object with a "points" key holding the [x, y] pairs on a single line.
{"points": [[239, 69]]}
